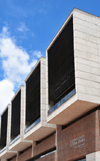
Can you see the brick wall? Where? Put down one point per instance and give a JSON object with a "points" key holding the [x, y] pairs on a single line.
{"points": [[39, 149], [78, 139], [26, 155], [14, 159], [44, 146], [72, 142]]}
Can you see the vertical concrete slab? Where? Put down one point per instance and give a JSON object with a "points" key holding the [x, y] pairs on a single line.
{"points": [[87, 55], [22, 116], [34, 130], [47, 90], [86, 35], [8, 126], [93, 156], [43, 89], [57, 140]]}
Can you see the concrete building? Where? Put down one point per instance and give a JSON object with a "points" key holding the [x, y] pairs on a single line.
{"points": [[57, 113]]}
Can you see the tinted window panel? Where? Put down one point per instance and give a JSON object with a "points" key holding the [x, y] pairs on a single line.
{"points": [[61, 65], [15, 116], [33, 97], [4, 119]]}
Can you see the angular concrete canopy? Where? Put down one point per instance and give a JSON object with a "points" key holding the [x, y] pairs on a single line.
{"points": [[40, 128], [86, 95], [18, 143]]}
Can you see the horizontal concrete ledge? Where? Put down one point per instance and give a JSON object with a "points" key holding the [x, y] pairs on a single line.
{"points": [[69, 95], [69, 112], [8, 154], [20, 145], [32, 125], [3, 149], [39, 132]]}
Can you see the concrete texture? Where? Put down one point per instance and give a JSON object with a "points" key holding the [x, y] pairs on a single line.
{"points": [[42, 127], [86, 31]]}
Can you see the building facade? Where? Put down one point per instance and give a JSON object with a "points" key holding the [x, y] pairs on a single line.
{"points": [[56, 115]]}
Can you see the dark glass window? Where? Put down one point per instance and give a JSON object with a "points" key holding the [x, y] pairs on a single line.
{"points": [[81, 159], [43, 155], [61, 65], [15, 116], [11, 158], [33, 96], [3, 138]]}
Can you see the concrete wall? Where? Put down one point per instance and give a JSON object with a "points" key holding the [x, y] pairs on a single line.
{"points": [[86, 31], [87, 55], [43, 93], [8, 126], [22, 116], [41, 127], [93, 156], [43, 90]]}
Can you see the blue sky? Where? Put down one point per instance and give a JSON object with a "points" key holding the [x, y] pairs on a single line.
{"points": [[26, 29]]}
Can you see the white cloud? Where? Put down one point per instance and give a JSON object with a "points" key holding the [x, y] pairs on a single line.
{"points": [[15, 60], [22, 27], [4, 32], [15, 63], [36, 53], [6, 93]]}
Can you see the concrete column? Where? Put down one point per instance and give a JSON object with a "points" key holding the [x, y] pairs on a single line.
{"points": [[97, 130], [56, 158], [33, 146], [8, 126], [43, 89], [22, 116], [57, 140], [17, 157], [93, 156]]}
